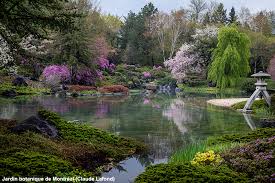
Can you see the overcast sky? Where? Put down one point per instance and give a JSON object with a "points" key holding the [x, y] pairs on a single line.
{"points": [[122, 7]]}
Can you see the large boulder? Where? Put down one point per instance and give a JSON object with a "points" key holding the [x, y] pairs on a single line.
{"points": [[19, 81], [37, 125]]}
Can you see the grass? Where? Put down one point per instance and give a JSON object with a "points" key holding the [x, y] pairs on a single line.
{"points": [[208, 90], [187, 153]]}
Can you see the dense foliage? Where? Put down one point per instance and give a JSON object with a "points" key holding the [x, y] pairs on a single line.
{"points": [[230, 59], [256, 159]]}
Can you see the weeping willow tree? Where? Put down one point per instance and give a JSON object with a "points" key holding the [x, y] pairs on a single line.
{"points": [[230, 58]]}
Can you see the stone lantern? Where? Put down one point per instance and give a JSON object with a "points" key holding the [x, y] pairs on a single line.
{"points": [[260, 89]]}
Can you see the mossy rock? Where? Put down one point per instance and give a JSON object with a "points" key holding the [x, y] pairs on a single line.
{"points": [[184, 173]]}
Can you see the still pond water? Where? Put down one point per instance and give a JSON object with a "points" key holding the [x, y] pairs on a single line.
{"points": [[165, 123]]}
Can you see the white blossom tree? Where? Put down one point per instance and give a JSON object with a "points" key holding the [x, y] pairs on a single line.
{"points": [[186, 61], [6, 59]]}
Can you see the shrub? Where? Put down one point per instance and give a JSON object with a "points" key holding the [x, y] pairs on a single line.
{"points": [[248, 137], [57, 71], [86, 76], [114, 89], [248, 85], [256, 159], [206, 158], [104, 64], [147, 75], [184, 173], [33, 164]]}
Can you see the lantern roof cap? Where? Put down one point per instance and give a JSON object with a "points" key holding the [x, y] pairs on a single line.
{"points": [[261, 74]]}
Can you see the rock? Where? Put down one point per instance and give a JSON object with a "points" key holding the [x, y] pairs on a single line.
{"points": [[266, 123], [35, 124], [19, 81], [9, 93], [211, 84], [151, 86]]}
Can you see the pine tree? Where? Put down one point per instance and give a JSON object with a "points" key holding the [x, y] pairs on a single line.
{"points": [[232, 16], [219, 15], [230, 58], [206, 19]]}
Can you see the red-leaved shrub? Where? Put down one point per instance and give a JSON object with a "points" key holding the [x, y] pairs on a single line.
{"points": [[114, 89]]}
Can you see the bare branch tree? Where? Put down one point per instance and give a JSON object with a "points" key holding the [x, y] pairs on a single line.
{"points": [[197, 7]]}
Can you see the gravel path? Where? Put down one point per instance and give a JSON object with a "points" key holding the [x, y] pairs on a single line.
{"points": [[226, 102]]}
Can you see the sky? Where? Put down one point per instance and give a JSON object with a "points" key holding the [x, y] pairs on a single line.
{"points": [[122, 7]]}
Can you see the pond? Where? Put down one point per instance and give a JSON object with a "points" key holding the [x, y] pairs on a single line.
{"points": [[165, 123]]}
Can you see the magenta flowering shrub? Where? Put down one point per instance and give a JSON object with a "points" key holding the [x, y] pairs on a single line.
{"points": [[60, 72], [147, 75], [104, 64], [99, 75], [256, 159]]}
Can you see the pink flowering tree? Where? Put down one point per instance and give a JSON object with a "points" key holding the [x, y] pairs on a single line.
{"points": [[56, 74], [185, 61]]}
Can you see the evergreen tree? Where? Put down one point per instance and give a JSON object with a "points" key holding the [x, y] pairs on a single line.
{"points": [[135, 35], [206, 19], [230, 58], [232, 16], [18, 19], [219, 15]]}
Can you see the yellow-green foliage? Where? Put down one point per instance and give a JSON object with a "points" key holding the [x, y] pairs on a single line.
{"points": [[206, 158], [230, 59], [22, 90]]}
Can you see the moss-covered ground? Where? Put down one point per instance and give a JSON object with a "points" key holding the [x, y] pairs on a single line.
{"points": [[79, 150]]}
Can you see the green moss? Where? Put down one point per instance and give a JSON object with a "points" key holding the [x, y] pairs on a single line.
{"points": [[242, 138], [163, 173]]}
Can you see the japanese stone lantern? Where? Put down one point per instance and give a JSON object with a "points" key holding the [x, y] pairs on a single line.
{"points": [[260, 89]]}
